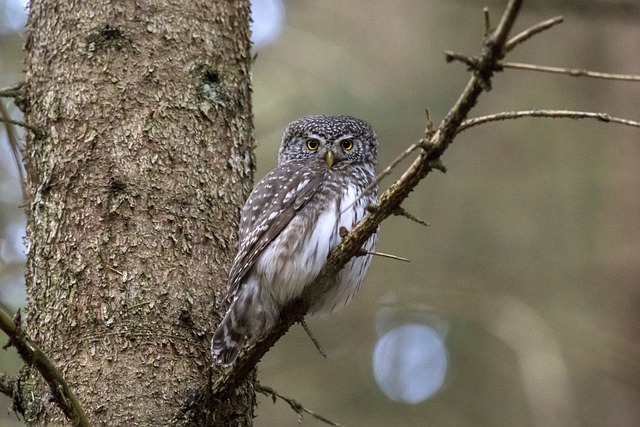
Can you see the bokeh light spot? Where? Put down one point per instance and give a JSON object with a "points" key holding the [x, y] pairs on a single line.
{"points": [[410, 363], [268, 19], [14, 17]]}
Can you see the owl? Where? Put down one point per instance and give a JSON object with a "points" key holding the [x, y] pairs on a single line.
{"points": [[291, 222]]}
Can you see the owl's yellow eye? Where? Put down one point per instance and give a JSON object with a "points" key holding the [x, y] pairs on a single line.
{"points": [[312, 144], [347, 144]]}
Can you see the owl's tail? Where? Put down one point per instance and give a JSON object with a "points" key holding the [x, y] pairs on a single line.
{"points": [[230, 336]]}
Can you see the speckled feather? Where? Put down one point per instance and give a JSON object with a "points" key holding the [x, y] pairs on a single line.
{"points": [[290, 223], [286, 190]]}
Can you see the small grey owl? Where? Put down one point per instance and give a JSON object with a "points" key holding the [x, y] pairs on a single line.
{"points": [[290, 223]]}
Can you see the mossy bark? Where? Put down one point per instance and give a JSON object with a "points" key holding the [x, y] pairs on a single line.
{"points": [[136, 184]]}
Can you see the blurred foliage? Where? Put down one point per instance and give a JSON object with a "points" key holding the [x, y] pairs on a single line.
{"points": [[530, 269]]}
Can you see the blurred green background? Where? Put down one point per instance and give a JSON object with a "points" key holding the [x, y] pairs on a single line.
{"points": [[521, 303]]}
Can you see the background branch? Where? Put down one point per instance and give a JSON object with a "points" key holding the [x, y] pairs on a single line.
{"points": [[297, 407], [532, 31], [389, 202], [31, 354], [554, 114], [12, 137], [575, 72]]}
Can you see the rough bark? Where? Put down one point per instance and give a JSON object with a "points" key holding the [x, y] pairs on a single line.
{"points": [[136, 183]]}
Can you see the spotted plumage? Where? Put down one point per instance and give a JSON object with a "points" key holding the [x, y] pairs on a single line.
{"points": [[290, 223]]}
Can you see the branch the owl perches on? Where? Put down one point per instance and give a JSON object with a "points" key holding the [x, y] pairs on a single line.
{"points": [[430, 151]]}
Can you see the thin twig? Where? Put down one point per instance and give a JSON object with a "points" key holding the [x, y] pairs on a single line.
{"points": [[12, 137], [392, 165], [9, 93], [487, 22], [385, 255], [12, 91], [386, 171], [402, 212], [31, 354], [37, 131], [511, 44], [503, 29], [313, 338], [297, 407], [7, 384], [575, 72], [532, 31], [429, 130], [472, 63], [554, 114]]}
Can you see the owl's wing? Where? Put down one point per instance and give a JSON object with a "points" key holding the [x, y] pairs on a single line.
{"points": [[272, 204]]}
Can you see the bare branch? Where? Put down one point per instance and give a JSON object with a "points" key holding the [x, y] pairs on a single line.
{"points": [[37, 131], [389, 202], [9, 93], [450, 56], [504, 26], [12, 91], [297, 407], [554, 114], [313, 338], [571, 71], [429, 131], [31, 354], [530, 32], [385, 255], [427, 135], [402, 212], [382, 175], [487, 22], [12, 137]]}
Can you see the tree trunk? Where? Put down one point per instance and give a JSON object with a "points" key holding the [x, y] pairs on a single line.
{"points": [[136, 184]]}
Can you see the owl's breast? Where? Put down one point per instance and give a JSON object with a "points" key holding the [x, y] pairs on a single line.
{"points": [[294, 259]]}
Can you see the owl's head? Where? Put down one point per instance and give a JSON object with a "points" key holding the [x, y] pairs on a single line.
{"points": [[338, 140]]}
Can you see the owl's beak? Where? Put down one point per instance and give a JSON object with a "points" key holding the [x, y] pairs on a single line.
{"points": [[329, 158]]}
